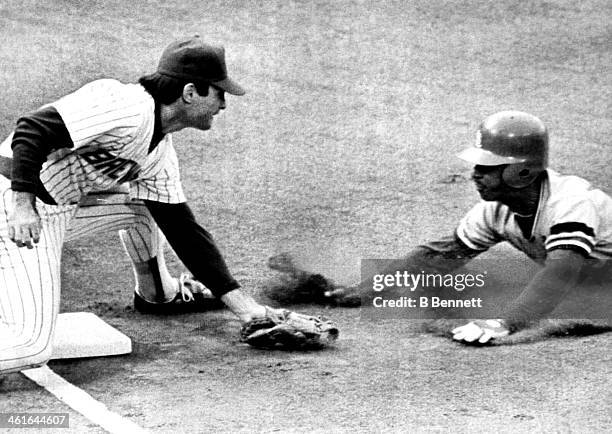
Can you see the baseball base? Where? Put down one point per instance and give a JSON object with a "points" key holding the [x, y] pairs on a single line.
{"points": [[83, 334]]}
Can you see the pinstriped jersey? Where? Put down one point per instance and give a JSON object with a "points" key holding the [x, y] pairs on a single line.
{"points": [[111, 125], [571, 215]]}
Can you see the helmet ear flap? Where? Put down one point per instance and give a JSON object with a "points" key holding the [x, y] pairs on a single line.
{"points": [[521, 175]]}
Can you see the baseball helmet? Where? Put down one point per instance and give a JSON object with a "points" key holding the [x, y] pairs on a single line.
{"points": [[513, 138]]}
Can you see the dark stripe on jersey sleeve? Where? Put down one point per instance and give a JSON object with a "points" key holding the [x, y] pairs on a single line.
{"points": [[36, 136], [572, 247], [193, 245], [572, 227]]}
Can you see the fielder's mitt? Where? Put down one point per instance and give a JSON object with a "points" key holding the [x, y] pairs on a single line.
{"points": [[286, 330]]}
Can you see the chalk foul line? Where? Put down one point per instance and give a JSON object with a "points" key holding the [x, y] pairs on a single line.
{"points": [[81, 401]]}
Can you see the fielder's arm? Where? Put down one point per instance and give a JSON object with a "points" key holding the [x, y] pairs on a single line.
{"points": [[194, 246], [36, 136], [24, 221]]}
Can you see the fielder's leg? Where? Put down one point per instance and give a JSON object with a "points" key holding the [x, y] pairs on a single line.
{"points": [[113, 211], [29, 287]]}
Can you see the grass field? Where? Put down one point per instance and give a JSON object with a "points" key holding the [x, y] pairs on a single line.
{"points": [[344, 147]]}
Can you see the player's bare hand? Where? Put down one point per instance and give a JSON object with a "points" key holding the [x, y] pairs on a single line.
{"points": [[346, 296], [24, 221], [480, 331]]}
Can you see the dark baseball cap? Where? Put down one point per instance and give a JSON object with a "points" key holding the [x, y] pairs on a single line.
{"points": [[192, 59]]}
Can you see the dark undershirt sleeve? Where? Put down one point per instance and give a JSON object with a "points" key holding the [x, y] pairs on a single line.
{"points": [[193, 245], [36, 136], [441, 256]]}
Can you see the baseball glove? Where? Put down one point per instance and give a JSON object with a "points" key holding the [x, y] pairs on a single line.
{"points": [[286, 330], [298, 286]]}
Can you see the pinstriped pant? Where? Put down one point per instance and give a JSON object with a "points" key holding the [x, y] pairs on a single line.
{"points": [[30, 278]]}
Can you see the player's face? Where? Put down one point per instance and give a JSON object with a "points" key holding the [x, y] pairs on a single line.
{"points": [[204, 108], [489, 182]]}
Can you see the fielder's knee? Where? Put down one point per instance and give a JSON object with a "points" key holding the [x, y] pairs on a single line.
{"points": [[18, 357]]}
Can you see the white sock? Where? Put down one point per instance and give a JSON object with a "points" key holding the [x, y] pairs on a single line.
{"points": [[154, 282]]}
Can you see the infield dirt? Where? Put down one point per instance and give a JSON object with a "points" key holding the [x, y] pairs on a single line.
{"points": [[343, 147]]}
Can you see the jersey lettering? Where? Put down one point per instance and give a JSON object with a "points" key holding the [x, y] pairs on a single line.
{"points": [[110, 165]]}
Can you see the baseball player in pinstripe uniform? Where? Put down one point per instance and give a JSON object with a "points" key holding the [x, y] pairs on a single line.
{"points": [[561, 222], [102, 159]]}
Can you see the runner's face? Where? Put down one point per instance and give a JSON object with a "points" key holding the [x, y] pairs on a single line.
{"points": [[489, 182]]}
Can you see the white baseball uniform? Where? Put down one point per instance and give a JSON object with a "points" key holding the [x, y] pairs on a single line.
{"points": [[571, 215], [111, 126]]}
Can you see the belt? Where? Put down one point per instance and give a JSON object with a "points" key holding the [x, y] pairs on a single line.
{"points": [[6, 164]]}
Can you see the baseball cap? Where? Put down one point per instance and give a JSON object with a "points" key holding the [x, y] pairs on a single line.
{"points": [[193, 59]]}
